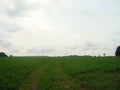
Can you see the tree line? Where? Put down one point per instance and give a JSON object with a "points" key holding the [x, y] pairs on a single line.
{"points": [[117, 53]]}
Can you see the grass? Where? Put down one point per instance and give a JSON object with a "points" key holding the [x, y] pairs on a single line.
{"points": [[94, 73], [14, 70], [59, 73]]}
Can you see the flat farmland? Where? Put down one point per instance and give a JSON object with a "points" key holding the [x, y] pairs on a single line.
{"points": [[59, 73]]}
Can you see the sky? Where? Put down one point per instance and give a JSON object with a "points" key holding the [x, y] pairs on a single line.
{"points": [[59, 27]]}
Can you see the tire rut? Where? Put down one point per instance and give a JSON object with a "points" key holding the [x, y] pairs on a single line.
{"points": [[33, 79], [64, 80]]}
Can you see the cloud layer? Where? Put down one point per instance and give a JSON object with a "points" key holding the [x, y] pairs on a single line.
{"points": [[59, 27]]}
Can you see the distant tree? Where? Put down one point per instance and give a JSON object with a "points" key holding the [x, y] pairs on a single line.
{"points": [[2, 54], [117, 53], [103, 54], [99, 56], [74, 56], [11, 55]]}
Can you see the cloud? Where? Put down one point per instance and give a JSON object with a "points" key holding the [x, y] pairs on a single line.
{"points": [[40, 50], [14, 7], [82, 26], [91, 46], [85, 48], [5, 44], [9, 27]]}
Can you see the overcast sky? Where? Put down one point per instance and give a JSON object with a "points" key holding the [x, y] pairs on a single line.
{"points": [[59, 27]]}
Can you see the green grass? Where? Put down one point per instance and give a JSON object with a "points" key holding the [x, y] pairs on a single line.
{"points": [[13, 70], [94, 73], [60, 73]]}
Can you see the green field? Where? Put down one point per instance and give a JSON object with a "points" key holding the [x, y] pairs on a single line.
{"points": [[60, 73]]}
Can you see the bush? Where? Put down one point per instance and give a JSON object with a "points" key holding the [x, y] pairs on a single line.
{"points": [[2, 54], [117, 53]]}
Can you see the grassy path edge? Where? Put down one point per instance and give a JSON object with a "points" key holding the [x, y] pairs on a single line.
{"points": [[32, 81]]}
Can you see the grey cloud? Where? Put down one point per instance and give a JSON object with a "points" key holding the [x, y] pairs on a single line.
{"points": [[16, 8], [72, 48], [5, 8], [86, 46], [9, 27], [13, 50], [5, 43], [40, 50], [91, 46], [99, 48], [107, 49]]}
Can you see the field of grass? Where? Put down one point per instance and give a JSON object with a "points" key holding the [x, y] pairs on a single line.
{"points": [[60, 73]]}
